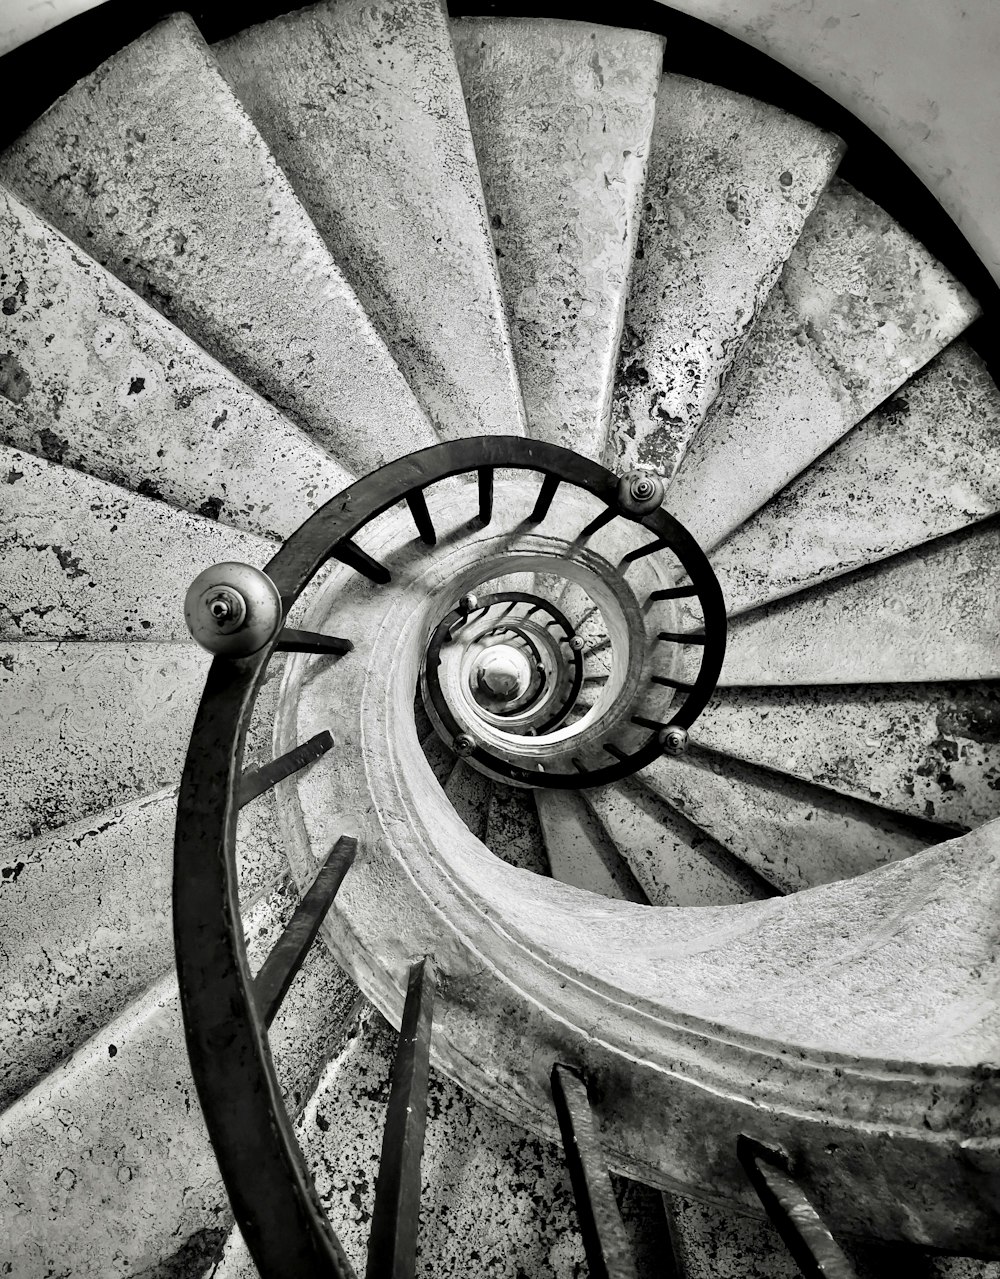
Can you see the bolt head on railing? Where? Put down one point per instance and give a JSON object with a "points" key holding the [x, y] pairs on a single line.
{"points": [[233, 609], [674, 741], [464, 744], [468, 604], [639, 492], [576, 643]]}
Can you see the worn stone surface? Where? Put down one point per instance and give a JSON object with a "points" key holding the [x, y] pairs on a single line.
{"points": [[493, 1199], [89, 725], [925, 464], [561, 113], [362, 107], [152, 165], [730, 183], [793, 834], [675, 863], [469, 792], [513, 831], [84, 559], [85, 922], [927, 750], [115, 1134], [858, 308], [929, 614], [710, 1242], [579, 849], [114, 389]]}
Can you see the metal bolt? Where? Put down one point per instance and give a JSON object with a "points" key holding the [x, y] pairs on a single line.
{"points": [[233, 609], [673, 741], [468, 604], [639, 492], [576, 643], [464, 744]]}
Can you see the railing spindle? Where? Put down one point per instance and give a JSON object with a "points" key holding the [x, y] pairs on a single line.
{"points": [[259, 780]]}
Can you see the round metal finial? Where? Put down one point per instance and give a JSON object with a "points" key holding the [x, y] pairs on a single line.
{"points": [[576, 643], [639, 492], [464, 744], [232, 609], [674, 741]]}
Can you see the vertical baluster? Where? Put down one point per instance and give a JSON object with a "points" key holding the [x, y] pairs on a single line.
{"points": [[392, 1244], [604, 1238]]}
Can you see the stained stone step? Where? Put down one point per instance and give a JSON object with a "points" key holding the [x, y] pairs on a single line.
{"points": [[152, 165], [925, 464], [362, 107], [674, 862], [932, 613], [513, 831], [85, 922], [927, 750], [562, 113], [116, 1132], [494, 1200], [92, 377], [793, 834], [87, 560], [439, 757], [100, 724], [859, 307], [469, 792], [579, 850], [710, 1242], [730, 183]]}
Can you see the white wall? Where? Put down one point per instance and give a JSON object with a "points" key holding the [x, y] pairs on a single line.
{"points": [[924, 74]]}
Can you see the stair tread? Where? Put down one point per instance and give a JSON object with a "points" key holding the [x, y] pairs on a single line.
{"points": [[860, 306], [710, 1242], [108, 564], [152, 165], [103, 383], [675, 863], [561, 113], [579, 850], [118, 1125], [925, 464], [729, 186], [926, 750], [793, 834], [931, 613], [362, 107], [469, 792], [65, 976], [513, 832]]}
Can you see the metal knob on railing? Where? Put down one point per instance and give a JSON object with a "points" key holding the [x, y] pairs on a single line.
{"points": [[233, 609]]}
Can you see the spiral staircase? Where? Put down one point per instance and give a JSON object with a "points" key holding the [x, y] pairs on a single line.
{"points": [[502, 351]]}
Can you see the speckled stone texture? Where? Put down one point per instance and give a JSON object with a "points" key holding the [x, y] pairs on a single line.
{"points": [[859, 307], [513, 831], [793, 834], [928, 614], [362, 107], [84, 559], [730, 183], [105, 1166], [675, 863], [561, 113], [494, 1200], [153, 166], [94, 378], [925, 464], [579, 850], [927, 750], [99, 723]]}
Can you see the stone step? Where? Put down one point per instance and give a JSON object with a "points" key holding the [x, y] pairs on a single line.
{"points": [[793, 834], [469, 792], [87, 560], [710, 1242], [925, 464], [513, 831], [115, 1134], [674, 862], [85, 921], [579, 850], [363, 110], [730, 184], [860, 307], [494, 1200], [94, 378], [932, 613], [926, 750], [562, 113], [438, 756], [152, 165]]}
